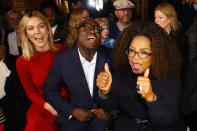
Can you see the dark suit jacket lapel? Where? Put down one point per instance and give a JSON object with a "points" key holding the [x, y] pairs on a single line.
{"points": [[80, 73]]}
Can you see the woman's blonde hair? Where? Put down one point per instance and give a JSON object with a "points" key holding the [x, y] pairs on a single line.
{"points": [[170, 12], [73, 22], [28, 48], [102, 21]]}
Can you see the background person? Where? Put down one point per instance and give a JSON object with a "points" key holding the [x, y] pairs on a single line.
{"points": [[13, 18], [13, 101], [13, 42], [166, 17], [13, 47], [123, 10], [75, 18], [55, 18], [106, 41]]}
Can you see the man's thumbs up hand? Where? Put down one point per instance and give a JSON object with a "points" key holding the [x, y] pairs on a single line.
{"points": [[106, 67], [104, 80]]}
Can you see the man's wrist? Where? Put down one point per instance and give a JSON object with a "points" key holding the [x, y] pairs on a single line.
{"points": [[103, 96]]}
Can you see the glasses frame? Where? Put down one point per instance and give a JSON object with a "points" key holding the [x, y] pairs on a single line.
{"points": [[138, 53], [99, 30]]}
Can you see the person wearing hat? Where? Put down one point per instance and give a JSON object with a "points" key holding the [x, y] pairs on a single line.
{"points": [[123, 11]]}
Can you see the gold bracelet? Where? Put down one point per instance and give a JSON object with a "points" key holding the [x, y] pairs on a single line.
{"points": [[103, 96]]}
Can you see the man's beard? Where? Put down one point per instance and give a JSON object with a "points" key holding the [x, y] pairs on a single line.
{"points": [[126, 22], [89, 51]]}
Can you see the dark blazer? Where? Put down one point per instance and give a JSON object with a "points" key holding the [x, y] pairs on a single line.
{"points": [[163, 114], [114, 31], [189, 93], [67, 69]]}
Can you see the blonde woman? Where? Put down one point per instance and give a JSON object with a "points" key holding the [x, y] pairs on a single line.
{"points": [[166, 17], [107, 42], [14, 17], [33, 66], [76, 17]]}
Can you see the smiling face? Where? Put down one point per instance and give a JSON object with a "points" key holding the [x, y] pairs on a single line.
{"points": [[89, 37], [38, 32], [140, 44], [161, 19]]}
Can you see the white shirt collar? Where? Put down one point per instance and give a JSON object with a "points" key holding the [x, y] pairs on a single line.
{"points": [[84, 60], [54, 28]]}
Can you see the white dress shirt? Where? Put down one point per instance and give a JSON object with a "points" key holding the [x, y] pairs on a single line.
{"points": [[4, 73], [89, 70], [54, 28], [12, 42]]}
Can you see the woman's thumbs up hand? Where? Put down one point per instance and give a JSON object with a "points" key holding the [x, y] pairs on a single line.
{"points": [[144, 87]]}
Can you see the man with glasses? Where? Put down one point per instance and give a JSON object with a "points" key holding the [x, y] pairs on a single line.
{"points": [[77, 68], [123, 11]]}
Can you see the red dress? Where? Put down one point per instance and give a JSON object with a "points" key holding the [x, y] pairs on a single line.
{"points": [[33, 74]]}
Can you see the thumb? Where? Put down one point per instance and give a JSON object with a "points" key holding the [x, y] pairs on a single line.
{"points": [[93, 110], [146, 73], [106, 67]]}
